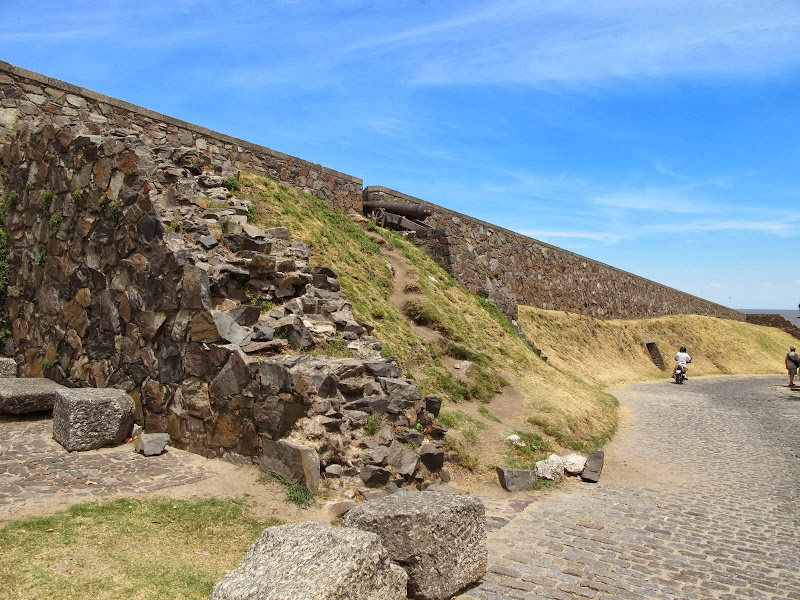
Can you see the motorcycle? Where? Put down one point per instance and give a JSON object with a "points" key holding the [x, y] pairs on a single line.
{"points": [[679, 375]]}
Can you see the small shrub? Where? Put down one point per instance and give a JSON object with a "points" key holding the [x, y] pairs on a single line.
{"points": [[47, 198], [231, 183], [48, 363], [296, 493], [102, 203], [114, 206], [77, 196], [373, 424], [172, 226], [225, 224], [55, 222], [40, 254], [29, 186], [252, 213]]}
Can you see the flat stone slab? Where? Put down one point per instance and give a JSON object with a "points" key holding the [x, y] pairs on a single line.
{"points": [[310, 561], [594, 466], [91, 418], [27, 395]]}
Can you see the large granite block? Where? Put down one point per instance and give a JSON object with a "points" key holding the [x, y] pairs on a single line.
{"points": [[27, 395], [90, 418], [438, 538], [310, 561]]}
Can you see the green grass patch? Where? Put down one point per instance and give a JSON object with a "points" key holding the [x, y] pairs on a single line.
{"points": [[133, 549], [457, 419], [536, 448], [486, 414], [296, 493]]}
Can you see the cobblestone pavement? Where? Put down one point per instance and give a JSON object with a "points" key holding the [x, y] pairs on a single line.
{"points": [[705, 504], [36, 470]]}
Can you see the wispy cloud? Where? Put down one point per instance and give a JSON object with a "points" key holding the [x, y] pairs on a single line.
{"points": [[607, 238], [575, 42], [781, 229]]}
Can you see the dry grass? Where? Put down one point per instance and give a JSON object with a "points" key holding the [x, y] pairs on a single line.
{"points": [[609, 352]]}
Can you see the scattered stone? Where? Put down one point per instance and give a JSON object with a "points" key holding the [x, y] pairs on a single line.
{"points": [[551, 468], [91, 418], [374, 476], [594, 466], [432, 457], [574, 464], [150, 444], [440, 539], [516, 480], [310, 561]]}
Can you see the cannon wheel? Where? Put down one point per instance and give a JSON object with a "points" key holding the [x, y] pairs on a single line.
{"points": [[380, 217]]}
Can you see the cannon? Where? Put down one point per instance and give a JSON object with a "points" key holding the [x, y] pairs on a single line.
{"points": [[400, 216]]}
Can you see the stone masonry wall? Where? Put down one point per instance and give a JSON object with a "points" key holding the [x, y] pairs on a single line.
{"points": [[27, 97], [123, 276], [511, 268], [502, 265], [770, 320]]}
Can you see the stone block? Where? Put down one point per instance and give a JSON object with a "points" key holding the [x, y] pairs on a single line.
{"points": [[440, 539], [310, 561], [8, 368], [91, 418], [150, 444], [551, 468], [594, 466], [27, 395], [299, 463], [516, 480]]}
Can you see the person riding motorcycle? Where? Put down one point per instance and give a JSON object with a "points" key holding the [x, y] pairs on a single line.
{"points": [[681, 360]]}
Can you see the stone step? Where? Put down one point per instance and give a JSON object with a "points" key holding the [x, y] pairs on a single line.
{"points": [[27, 395]]}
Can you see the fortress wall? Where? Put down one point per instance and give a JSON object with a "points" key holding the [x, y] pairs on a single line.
{"points": [[503, 265], [27, 97], [771, 320]]}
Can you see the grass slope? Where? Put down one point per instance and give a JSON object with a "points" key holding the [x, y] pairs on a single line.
{"points": [[609, 352], [566, 411]]}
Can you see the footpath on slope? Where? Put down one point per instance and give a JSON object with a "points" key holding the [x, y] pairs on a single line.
{"points": [[698, 499]]}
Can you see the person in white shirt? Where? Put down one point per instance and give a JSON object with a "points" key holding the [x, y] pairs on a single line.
{"points": [[681, 360]]}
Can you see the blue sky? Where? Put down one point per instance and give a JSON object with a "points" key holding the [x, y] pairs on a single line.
{"points": [[659, 137]]}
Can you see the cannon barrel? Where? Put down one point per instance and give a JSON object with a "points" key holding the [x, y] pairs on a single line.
{"points": [[405, 209]]}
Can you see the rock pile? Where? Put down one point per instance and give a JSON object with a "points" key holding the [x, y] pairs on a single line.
{"points": [[134, 267]]}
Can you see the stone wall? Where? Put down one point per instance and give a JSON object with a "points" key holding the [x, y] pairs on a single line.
{"points": [[511, 268], [123, 276], [502, 265], [27, 97], [770, 320]]}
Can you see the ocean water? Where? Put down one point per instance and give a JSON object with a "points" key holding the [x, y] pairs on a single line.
{"points": [[793, 316]]}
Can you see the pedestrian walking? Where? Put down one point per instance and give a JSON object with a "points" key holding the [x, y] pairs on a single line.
{"points": [[792, 361]]}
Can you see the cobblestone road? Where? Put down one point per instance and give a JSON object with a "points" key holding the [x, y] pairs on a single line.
{"points": [[705, 504]]}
